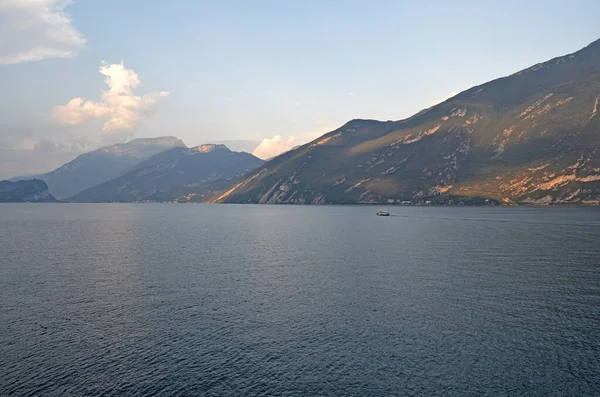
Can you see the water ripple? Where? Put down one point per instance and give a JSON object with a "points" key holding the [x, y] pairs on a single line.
{"points": [[110, 300]]}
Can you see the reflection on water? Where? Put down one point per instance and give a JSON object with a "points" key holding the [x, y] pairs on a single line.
{"points": [[298, 300]]}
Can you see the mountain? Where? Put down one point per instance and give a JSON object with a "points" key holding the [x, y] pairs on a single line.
{"points": [[31, 191], [531, 137], [103, 164], [179, 173]]}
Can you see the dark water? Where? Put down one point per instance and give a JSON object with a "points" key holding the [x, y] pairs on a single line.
{"points": [[298, 301]]}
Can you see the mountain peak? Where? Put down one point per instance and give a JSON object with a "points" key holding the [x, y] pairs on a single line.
{"points": [[174, 174], [104, 164], [209, 147]]}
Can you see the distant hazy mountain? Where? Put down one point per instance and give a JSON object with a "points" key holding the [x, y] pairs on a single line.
{"points": [[31, 191], [172, 174], [103, 164], [532, 137]]}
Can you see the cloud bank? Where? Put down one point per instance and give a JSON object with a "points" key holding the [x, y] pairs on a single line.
{"points": [[121, 109], [32, 30], [277, 144], [36, 149], [271, 147]]}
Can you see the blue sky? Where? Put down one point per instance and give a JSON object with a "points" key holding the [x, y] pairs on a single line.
{"points": [[253, 70]]}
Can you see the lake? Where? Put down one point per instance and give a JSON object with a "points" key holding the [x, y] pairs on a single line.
{"points": [[243, 300]]}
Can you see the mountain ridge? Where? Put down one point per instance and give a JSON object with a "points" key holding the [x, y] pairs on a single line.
{"points": [[102, 164], [173, 173], [515, 139]]}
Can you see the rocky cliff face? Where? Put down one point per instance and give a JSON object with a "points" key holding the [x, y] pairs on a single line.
{"points": [[532, 137], [32, 191], [177, 174]]}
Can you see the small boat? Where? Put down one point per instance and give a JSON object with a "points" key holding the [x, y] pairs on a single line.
{"points": [[383, 213]]}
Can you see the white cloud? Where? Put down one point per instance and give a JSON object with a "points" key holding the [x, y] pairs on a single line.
{"points": [[121, 109], [32, 30], [270, 147], [277, 144]]}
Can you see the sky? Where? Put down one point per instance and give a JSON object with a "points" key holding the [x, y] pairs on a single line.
{"points": [[261, 76]]}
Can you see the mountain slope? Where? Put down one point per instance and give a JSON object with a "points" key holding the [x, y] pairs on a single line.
{"points": [[31, 191], [172, 174], [530, 137], [103, 164]]}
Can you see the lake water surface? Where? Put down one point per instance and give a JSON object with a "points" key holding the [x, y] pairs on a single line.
{"points": [[236, 300]]}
